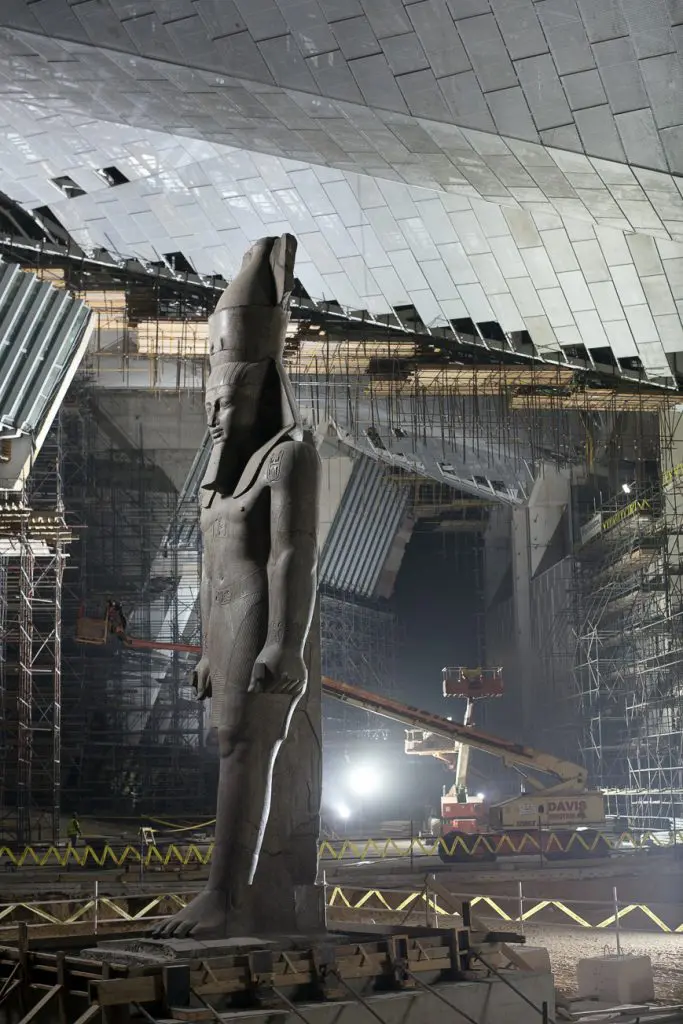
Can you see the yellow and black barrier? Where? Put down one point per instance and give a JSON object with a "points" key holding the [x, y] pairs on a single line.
{"points": [[401, 901], [174, 855], [112, 911], [107, 856]]}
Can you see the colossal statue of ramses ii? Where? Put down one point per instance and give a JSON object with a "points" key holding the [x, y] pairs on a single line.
{"points": [[259, 519]]}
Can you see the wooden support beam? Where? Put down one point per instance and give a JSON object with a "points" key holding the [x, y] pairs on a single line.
{"points": [[22, 942], [8, 990], [120, 991], [61, 982], [40, 1005], [197, 1014], [92, 1013]]}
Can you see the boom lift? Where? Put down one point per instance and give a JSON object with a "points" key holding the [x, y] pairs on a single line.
{"points": [[561, 802], [459, 808]]}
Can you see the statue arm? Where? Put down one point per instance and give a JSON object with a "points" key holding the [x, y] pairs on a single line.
{"points": [[201, 676], [205, 605], [293, 472]]}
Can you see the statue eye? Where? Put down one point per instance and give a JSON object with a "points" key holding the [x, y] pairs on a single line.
{"points": [[224, 403]]}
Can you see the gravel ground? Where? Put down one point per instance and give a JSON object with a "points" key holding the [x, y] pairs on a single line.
{"points": [[568, 945]]}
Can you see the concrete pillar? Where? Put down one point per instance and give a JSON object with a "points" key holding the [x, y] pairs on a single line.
{"points": [[521, 587], [337, 466], [538, 540]]}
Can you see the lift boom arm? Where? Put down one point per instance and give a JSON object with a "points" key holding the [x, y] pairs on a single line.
{"points": [[570, 778]]}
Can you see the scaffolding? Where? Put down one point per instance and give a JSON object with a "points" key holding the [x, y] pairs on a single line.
{"points": [[34, 540], [134, 733], [629, 645], [358, 646]]}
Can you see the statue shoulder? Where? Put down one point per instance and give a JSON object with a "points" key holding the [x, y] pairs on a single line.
{"points": [[292, 458]]}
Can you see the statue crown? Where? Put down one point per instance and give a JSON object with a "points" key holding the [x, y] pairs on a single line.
{"points": [[250, 320], [247, 334]]}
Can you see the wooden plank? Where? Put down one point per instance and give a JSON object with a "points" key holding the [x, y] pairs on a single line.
{"points": [[24, 962], [120, 991], [61, 981], [40, 1005], [9, 989], [92, 1013], [186, 1013]]}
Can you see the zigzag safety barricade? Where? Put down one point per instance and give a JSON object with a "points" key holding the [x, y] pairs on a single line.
{"points": [[520, 843], [98, 910], [110, 855], [591, 914], [109, 912], [107, 856]]}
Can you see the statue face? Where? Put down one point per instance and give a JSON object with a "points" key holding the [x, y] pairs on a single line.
{"points": [[232, 399]]}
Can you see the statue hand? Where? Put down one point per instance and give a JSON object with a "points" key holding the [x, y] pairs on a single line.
{"points": [[201, 679], [278, 670]]}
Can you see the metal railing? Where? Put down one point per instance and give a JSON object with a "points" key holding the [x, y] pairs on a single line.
{"points": [[102, 911]]}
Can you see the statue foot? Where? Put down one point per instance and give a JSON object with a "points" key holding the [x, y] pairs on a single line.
{"points": [[208, 916]]}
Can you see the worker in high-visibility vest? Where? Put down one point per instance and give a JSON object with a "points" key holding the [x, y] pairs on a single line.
{"points": [[73, 830]]}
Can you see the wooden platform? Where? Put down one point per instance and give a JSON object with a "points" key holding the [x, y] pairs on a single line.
{"points": [[187, 980]]}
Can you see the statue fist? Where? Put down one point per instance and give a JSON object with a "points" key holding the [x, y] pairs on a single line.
{"points": [[201, 679], [278, 670]]}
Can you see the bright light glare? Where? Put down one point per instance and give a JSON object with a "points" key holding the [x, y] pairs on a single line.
{"points": [[626, 488], [343, 812], [480, 796], [364, 780]]}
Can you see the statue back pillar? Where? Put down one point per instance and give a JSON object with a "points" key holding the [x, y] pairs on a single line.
{"points": [[293, 831]]}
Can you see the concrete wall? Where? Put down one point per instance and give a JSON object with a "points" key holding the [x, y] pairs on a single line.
{"points": [[552, 686], [526, 583], [169, 428]]}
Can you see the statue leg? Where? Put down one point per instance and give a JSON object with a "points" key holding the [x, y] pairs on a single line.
{"points": [[251, 729], [247, 759]]}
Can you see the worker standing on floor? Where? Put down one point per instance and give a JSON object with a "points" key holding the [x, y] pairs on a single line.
{"points": [[74, 831], [73, 835]]}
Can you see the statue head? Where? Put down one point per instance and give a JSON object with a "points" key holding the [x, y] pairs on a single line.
{"points": [[236, 396], [248, 396]]}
